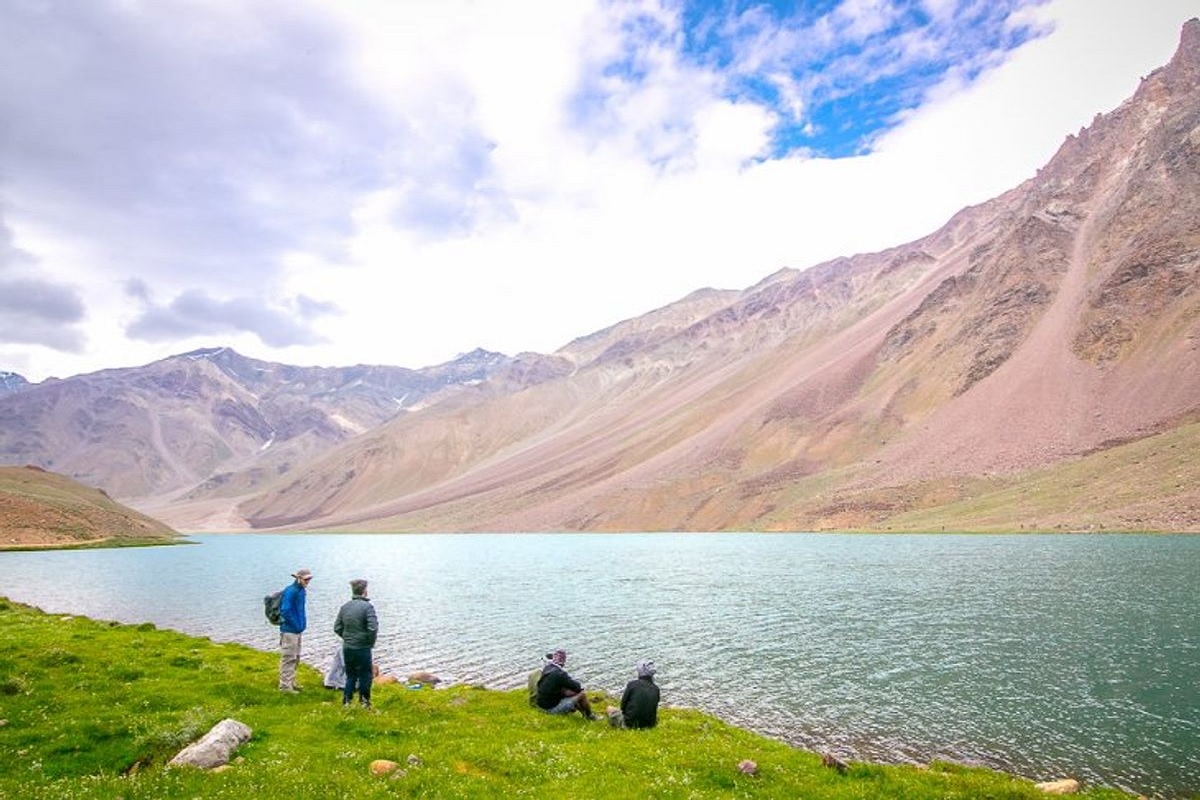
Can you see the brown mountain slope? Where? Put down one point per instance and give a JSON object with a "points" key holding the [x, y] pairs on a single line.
{"points": [[1091, 334], [1058, 320], [41, 509]]}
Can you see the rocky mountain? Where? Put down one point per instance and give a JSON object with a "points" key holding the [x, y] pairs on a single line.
{"points": [[1034, 363], [212, 422], [11, 382]]}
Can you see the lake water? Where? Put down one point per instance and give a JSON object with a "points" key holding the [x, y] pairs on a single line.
{"points": [[1047, 656]]}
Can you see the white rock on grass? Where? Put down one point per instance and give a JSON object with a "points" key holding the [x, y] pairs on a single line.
{"points": [[215, 747]]}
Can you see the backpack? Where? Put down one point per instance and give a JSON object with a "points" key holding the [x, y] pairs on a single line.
{"points": [[534, 677], [271, 607]]}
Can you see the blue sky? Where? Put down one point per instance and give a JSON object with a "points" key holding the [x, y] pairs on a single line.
{"points": [[833, 76], [380, 182], [836, 76]]}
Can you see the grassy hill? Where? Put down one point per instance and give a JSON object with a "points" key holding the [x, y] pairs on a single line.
{"points": [[95, 709], [44, 509]]}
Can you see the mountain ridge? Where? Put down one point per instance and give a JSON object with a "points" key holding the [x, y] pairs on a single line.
{"points": [[211, 420]]}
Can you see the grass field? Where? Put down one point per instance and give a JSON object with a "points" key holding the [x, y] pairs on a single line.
{"points": [[92, 709]]}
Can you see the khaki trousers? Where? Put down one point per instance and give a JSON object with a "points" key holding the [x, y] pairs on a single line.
{"points": [[289, 659]]}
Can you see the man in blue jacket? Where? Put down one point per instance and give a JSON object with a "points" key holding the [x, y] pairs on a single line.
{"points": [[291, 608]]}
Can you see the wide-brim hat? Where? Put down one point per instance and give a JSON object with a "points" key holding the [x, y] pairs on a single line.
{"points": [[301, 574]]}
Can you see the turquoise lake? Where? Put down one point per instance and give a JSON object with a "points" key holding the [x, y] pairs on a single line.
{"points": [[1047, 656]]}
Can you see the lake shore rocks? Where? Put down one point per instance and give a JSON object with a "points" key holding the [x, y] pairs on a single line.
{"points": [[424, 677], [833, 762], [1063, 786]]}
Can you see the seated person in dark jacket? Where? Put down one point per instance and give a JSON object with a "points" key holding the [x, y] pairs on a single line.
{"points": [[558, 692], [639, 703]]}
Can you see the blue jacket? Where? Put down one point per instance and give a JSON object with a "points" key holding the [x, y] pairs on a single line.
{"points": [[291, 606]]}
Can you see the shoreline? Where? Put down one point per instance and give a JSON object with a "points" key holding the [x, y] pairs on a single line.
{"points": [[808, 724], [185, 536], [829, 759], [801, 744]]}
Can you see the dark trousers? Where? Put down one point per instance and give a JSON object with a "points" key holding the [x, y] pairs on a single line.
{"points": [[358, 674]]}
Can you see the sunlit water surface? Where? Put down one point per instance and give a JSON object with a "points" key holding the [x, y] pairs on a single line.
{"points": [[1043, 655]]}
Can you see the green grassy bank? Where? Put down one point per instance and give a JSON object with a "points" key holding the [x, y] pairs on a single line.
{"points": [[95, 710]]}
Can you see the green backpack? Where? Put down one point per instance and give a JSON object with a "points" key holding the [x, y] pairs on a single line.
{"points": [[534, 677]]}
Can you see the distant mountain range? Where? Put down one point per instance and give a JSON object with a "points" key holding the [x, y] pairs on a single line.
{"points": [[211, 421], [1034, 364]]}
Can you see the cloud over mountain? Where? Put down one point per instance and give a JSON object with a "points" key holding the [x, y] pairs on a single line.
{"points": [[469, 174]]}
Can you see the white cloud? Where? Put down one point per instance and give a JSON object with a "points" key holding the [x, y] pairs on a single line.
{"points": [[481, 202], [972, 143]]}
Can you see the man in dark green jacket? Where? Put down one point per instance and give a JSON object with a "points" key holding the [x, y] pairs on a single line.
{"points": [[358, 626]]}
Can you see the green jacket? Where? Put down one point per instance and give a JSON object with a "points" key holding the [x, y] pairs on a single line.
{"points": [[357, 624]]}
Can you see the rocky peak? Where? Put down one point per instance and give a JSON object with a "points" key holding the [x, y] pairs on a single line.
{"points": [[473, 366], [1180, 76], [478, 356], [1187, 57], [204, 352], [227, 360], [1130, 135], [11, 382]]}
